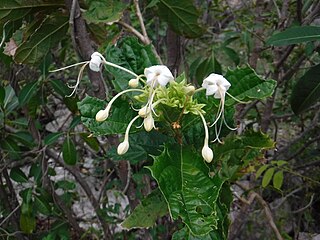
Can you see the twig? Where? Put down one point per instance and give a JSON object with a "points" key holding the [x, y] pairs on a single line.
{"points": [[132, 30], [9, 215], [266, 208], [305, 207], [128, 178], [140, 18], [105, 180]]}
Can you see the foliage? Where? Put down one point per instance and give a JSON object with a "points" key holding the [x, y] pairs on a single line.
{"points": [[178, 168]]}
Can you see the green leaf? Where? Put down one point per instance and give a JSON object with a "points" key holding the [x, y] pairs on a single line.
{"points": [[147, 212], [101, 11], [60, 87], [278, 179], [267, 177], [246, 85], [42, 205], [10, 101], [306, 92], [34, 49], [120, 116], [207, 66], [261, 170], [65, 185], [294, 35], [191, 194], [27, 223], [10, 147], [182, 16], [91, 141], [130, 54], [2, 95], [52, 138], [232, 54], [69, 152], [23, 137], [27, 92], [17, 175]]}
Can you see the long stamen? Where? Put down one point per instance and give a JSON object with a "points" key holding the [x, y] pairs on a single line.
{"points": [[75, 87], [3, 34], [206, 131], [115, 65], [236, 99], [70, 66], [220, 112]]}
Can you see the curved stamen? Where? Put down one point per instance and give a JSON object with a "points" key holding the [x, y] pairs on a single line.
{"points": [[206, 131], [126, 136], [70, 66], [236, 99], [75, 87]]}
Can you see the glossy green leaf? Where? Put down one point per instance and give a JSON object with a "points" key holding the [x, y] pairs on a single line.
{"points": [[129, 53], [120, 115], [27, 92], [60, 87], [306, 91], [51, 31], [278, 179], [104, 11], [147, 212], [182, 16], [17, 175], [267, 177], [69, 152], [246, 85], [23, 137], [261, 170], [191, 194], [294, 35], [52, 138], [10, 147]]}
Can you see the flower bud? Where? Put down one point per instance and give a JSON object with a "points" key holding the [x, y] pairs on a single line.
{"points": [[148, 123], [144, 112], [95, 62], [102, 115], [207, 154], [189, 90], [134, 83], [123, 147]]}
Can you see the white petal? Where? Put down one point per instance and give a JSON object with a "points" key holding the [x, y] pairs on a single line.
{"points": [[102, 115], [207, 154], [123, 147], [211, 89], [95, 63], [148, 123]]}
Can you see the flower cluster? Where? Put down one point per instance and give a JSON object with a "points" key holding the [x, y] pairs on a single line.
{"points": [[160, 88]]}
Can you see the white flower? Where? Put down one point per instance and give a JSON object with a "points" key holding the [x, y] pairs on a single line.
{"points": [[216, 84], [123, 147], [102, 115], [148, 123], [158, 75], [95, 62], [207, 154]]}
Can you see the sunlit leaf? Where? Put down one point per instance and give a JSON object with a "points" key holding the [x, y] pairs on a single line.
{"points": [[267, 177], [27, 223], [306, 91], [294, 35], [261, 170], [278, 179]]}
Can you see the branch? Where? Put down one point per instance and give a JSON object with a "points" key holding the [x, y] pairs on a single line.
{"points": [[132, 30], [265, 206], [140, 18]]}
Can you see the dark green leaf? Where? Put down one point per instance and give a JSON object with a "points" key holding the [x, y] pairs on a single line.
{"points": [[65, 185], [207, 66], [232, 54], [69, 152], [184, 180], [10, 147], [42, 205], [91, 141], [105, 11], [306, 92], [24, 138], [27, 92], [35, 48], [294, 35], [146, 214], [278, 179], [17, 175], [120, 116], [182, 16], [267, 177], [52, 138], [60, 87], [246, 85], [10, 101], [2, 95]]}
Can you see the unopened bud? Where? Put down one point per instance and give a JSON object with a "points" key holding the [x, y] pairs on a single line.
{"points": [[95, 62], [144, 112], [189, 90], [102, 115], [134, 82], [148, 123], [207, 154], [123, 147]]}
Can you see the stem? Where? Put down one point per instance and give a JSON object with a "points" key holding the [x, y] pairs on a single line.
{"points": [[206, 139], [70, 66], [126, 136]]}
